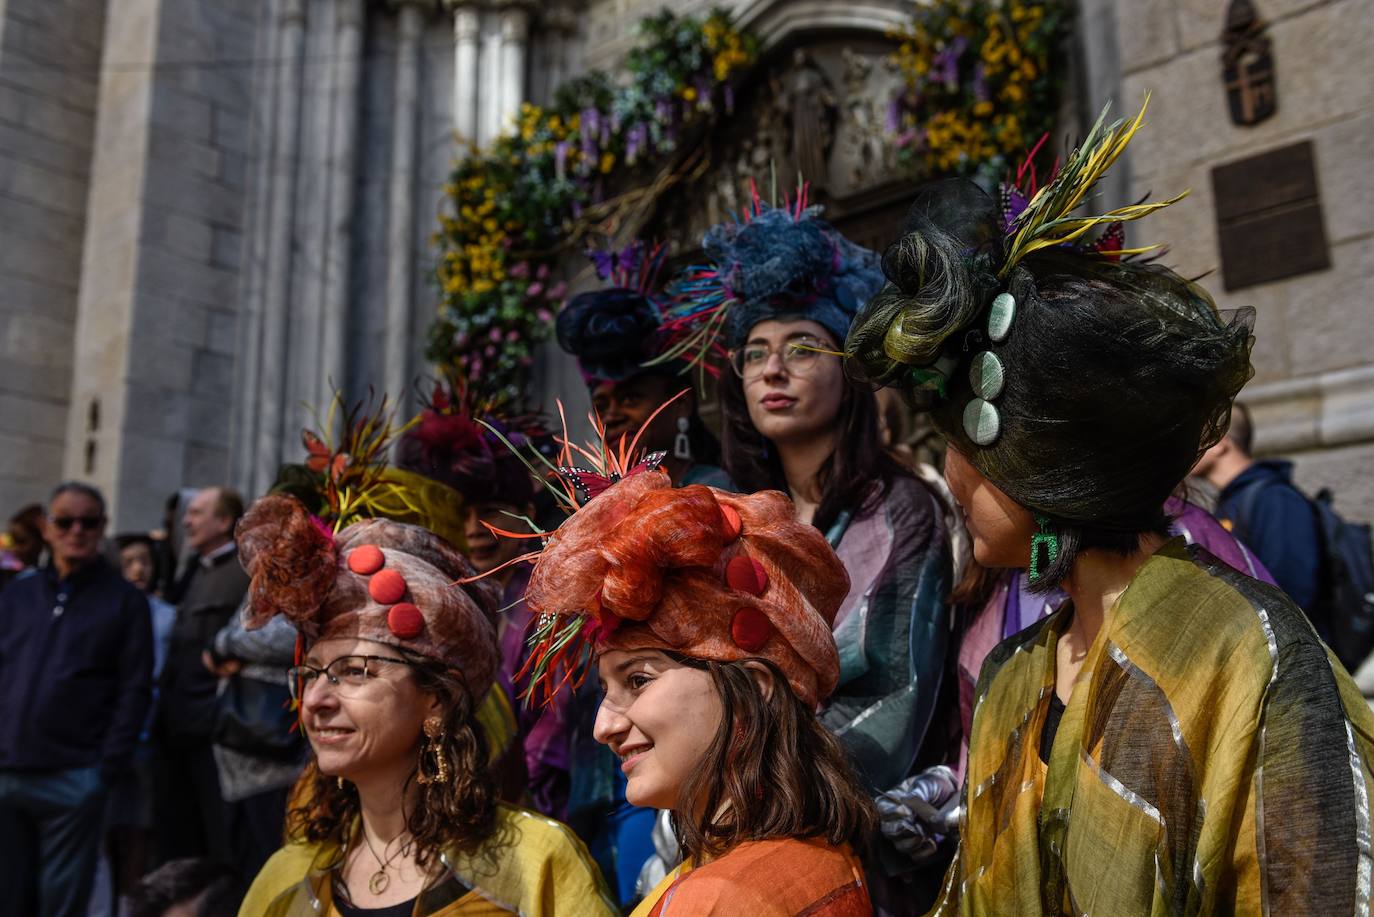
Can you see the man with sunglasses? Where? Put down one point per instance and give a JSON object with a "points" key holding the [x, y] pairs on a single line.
{"points": [[76, 650]]}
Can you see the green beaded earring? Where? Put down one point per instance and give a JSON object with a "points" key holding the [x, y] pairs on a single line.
{"points": [[1046, 539]]}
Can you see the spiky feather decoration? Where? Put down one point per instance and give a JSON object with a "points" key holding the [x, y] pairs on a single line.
{"points": [[1049, 220]]}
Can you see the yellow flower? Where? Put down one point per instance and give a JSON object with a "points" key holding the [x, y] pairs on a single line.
{"points": [[607, 163], [982, 109], [689, 93]]}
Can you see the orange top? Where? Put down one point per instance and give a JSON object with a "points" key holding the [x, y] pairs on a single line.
{"points": [[780, 878]]}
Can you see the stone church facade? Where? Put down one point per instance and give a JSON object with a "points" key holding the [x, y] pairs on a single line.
{"points": [[215, 211]]}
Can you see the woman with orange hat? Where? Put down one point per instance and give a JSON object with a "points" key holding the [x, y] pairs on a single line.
{"points": [[708, 616], [397, 812]]}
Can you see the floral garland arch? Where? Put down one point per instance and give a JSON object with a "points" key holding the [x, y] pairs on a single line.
{"points": [[979, 87]]}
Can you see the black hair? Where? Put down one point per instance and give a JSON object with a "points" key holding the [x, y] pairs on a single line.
{"points": [[129, 539], [1115, 375], [1242, 429], [78, 487], [216, 889]]}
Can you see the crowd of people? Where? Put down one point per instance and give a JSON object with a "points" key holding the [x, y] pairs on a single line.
{"points": [[783, 670]]}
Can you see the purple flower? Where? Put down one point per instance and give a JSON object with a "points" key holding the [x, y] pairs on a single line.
{"points": [[474, 366], [894, 114], [560, 159], [520, 270], [604, 262], [945, 66], [495, 334], [729, 99], [543, 272], [534, 290], [663, 111], [490, 351], [980, 85]]}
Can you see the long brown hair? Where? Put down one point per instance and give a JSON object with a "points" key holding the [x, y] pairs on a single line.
{"points": [[771, 772], [458, 814]]}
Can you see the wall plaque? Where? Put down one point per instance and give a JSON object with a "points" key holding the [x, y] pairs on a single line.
{"points": [[1269, 217]]}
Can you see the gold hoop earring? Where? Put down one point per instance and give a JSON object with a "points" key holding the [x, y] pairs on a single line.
{"points": [[434, 748]]}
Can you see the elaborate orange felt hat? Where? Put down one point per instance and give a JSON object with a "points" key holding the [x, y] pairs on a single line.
{"points": [[694, 570]]}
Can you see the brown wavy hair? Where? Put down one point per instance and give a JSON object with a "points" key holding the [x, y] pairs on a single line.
{"points": [[460, 814], [772, 768]]}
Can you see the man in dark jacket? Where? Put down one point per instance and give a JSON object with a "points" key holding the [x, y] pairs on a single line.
{"points": [[76, 656], [190, 810], [1258, 502]]}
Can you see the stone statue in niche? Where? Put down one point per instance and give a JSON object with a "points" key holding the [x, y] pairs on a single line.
{"points": [[807, 105], [869, 144], [1247, 65]]}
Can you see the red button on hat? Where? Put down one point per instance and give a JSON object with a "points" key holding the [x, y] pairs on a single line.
{"points": [[386, 587], [746, 575], [733, 526], [366, 560], [750, 629], [405, 620]]}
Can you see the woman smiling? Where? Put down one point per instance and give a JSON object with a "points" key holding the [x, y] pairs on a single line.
{"points": [[708, 615], [397, 812]]}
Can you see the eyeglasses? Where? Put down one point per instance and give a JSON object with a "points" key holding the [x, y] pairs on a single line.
{"points": [[89, 523], [347, 673], [799, 356]]}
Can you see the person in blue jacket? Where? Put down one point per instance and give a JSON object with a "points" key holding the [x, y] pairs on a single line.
{"points": [[76, 659], [1258, 503]]}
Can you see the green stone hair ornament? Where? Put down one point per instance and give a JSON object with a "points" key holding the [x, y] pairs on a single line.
{"points": [[1046, 539]]}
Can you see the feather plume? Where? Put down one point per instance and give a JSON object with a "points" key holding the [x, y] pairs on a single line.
{"points": [[1049, 219]]}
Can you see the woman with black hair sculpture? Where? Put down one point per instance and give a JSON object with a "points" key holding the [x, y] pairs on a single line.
{"points": [[1175, 739], [776, 299], [618, 337]]}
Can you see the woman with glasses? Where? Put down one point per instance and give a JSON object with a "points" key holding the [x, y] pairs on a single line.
{"points": [[397, 811], [780, 290]]}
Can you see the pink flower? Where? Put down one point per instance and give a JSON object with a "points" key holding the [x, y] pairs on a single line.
{"points": [[535, 289], [520, 270], [512, 336], [542, 273], [558, 290], [495, 334], [544, 315]]}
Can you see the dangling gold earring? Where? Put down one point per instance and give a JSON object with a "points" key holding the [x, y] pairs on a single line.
{"points": [[339, 781], [434, 732]]}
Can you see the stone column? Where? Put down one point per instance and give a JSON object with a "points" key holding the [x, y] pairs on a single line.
{"points": [[245, 423], [560, 25], [272, 389], [489, 83], [343, 146], [467, 24], [515, 30], [401, 200]]}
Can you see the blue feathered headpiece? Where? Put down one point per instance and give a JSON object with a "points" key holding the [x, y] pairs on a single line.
{"points": [[774, 262], [614, 331]]}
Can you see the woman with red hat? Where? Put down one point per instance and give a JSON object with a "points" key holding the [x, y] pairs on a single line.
{"points": [[708, 615]]}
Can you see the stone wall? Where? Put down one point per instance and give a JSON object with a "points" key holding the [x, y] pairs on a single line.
{"points": [[1313, 392], [50, 52], [156, 330]]}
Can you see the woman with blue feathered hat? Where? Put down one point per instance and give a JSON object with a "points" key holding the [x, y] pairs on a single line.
{"points": [[775, 300]]}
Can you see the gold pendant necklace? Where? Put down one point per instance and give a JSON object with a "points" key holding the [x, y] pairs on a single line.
{"points": [[380, 879]]}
